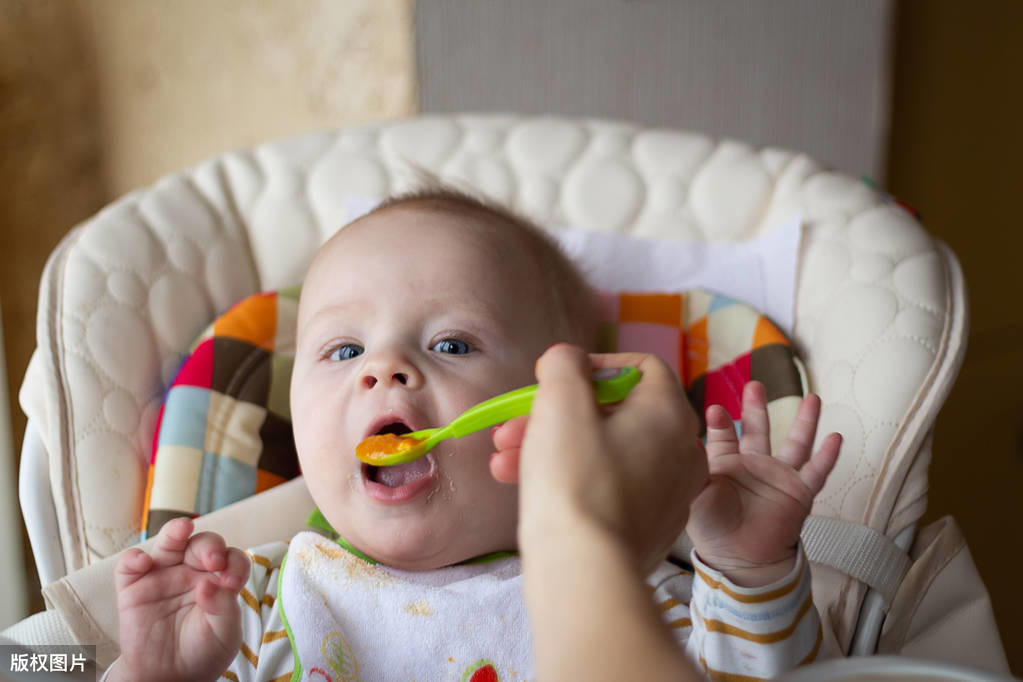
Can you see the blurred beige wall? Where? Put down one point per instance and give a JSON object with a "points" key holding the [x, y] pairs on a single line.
{"points": [[49, 174], [98, 97], [181, 80]]}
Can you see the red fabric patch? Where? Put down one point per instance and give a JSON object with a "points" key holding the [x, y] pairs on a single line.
{"points": [[724, 385], [156, 435], [198, 369]]}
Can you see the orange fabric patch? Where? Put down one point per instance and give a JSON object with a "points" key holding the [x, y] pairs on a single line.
{"points": [[766, 333], [266, 480], [663, 309], [253, 322], [697, 347], [149, 495]]}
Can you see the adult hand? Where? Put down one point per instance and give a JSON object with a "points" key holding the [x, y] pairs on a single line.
{"points": [[602, 494], [632, 468]]}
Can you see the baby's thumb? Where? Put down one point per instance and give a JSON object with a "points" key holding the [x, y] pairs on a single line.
{"points": [[131, 565]]}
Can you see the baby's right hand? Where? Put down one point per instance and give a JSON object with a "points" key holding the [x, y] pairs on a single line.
{"points": [[178, 606]]}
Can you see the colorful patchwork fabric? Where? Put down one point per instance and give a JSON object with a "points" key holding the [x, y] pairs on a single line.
{"points": [[715, 344], [224, 430]]}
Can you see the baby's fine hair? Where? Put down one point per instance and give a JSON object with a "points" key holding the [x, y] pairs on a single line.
{"points": [[571, 301]]}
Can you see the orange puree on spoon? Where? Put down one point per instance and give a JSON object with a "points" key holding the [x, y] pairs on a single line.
{"points": [[376, 449], [610, 385]]}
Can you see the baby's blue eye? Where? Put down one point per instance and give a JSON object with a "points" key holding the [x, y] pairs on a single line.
{"points": [[346, 351], [452, 346]]}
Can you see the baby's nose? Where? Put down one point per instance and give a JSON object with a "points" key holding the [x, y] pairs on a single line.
{"points": [[370, 379], [391, 370]]}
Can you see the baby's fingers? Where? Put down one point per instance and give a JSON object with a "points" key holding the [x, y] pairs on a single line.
{"points": [[237, 572], [815, 472], [171, 542], [132, 565], [799, 440], [721, 438], [222, 612], [207, 552], [756, 428]]}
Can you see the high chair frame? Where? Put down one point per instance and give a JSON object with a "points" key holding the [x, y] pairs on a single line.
{"points": [[876, 297]]}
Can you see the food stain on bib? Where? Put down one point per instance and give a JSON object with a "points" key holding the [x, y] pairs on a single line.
{"points": [[419, 607], [327, 557]]}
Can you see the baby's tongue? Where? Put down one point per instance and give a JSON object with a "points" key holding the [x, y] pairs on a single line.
{"points": [[403, 474]]}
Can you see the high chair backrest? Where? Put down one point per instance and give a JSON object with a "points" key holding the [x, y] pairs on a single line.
{"points": [[879, 320]]}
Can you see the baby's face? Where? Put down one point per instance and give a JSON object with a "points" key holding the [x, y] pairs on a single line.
{"points": [[406, 320]]}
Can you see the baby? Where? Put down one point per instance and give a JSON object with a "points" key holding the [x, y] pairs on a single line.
{"points": [[428, 305]]}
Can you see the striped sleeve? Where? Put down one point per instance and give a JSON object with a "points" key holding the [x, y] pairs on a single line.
{"points": [[265, 653], [738, 633]]}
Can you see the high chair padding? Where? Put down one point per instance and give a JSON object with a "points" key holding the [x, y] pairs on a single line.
{"points": [[224, 428], [879, 320], [87, 602]]}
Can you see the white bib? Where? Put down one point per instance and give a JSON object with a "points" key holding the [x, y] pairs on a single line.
{"points": [[349, 619]]}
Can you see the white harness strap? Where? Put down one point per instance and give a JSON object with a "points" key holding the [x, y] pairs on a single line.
{"points": [[858, 551]]}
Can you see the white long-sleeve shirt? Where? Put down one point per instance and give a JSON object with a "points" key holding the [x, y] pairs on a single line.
{"points": [[352, 619]]}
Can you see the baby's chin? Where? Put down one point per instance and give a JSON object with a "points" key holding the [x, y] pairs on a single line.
{"points": [[418, 551], [408, 559]]}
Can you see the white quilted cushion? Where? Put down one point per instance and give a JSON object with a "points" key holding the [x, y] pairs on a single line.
{"points": [[879, 315]]}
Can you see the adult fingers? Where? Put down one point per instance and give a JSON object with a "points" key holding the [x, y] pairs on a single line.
{"points": [[504, 465], [798, 445], [657, 379], [565, 391], [658, 398], [509, 435], [564, 419]]}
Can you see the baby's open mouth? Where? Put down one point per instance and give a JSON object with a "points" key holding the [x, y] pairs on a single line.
{"points": [[400, 474]]}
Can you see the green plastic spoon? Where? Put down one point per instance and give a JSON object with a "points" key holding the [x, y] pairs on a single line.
{"points": [[610, 385]]}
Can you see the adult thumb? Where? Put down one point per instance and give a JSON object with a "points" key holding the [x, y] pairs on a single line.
{"points": [[565, 394]]}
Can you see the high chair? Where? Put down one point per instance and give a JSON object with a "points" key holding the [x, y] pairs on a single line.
{"points": [[879, 321]]}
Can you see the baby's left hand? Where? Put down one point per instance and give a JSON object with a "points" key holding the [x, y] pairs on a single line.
{"points": [[746, 521]]}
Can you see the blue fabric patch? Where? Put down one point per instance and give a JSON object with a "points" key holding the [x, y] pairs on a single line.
{"points": [[719, 302], [189, 405], [223, 481]]}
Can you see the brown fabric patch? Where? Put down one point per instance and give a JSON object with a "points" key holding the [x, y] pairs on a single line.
{"points": [[157, 518], [241, 370], [279, 455], [772, 365]]}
